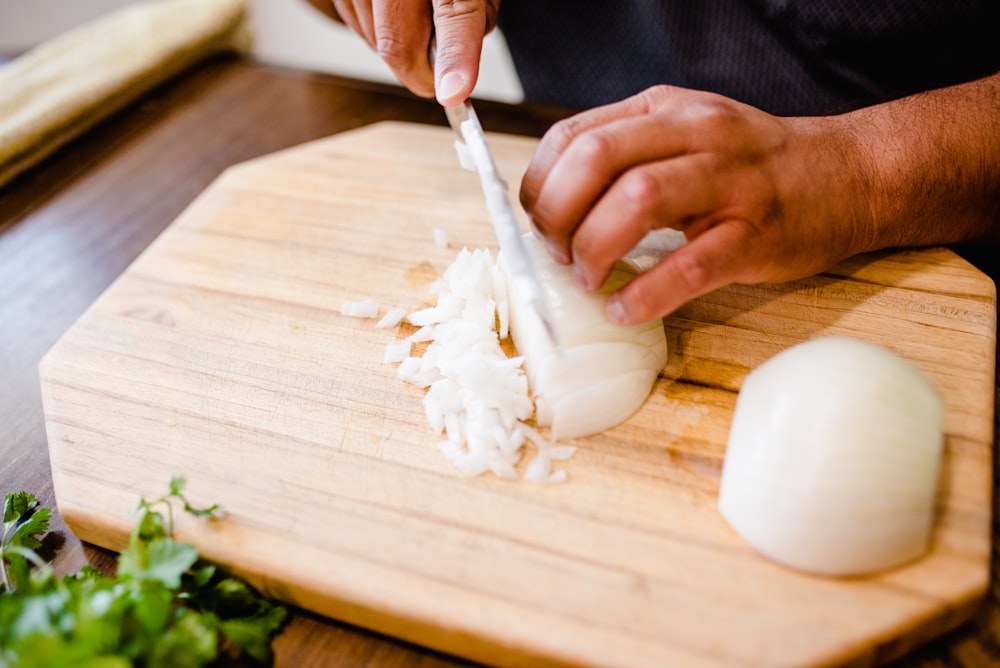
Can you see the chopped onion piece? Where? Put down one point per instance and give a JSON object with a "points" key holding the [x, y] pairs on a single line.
{"points": [[440, 238], [392, 318], [539, 468], [365, 308], [502, 468], [558, 453], [425, 333], [465, 158], [397, 351], [476, 395], [557, 476], [427, 316], [833, 458]]}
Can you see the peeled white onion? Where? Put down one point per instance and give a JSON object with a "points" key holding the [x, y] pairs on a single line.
{"points": [[833, 457], [602, 372]]}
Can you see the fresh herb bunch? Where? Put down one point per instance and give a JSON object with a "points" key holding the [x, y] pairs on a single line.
{"points": [[164, 608]]}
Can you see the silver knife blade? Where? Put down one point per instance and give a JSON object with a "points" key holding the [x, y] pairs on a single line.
{"points": [[464, 121]]}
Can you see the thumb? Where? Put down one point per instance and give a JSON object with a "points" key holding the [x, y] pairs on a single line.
{"points": [[459, 30]]}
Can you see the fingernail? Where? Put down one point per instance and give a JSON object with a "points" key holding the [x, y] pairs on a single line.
{"points": [[449, 86], [615, 310], [579, 277], [558, 254], [534, 229]]}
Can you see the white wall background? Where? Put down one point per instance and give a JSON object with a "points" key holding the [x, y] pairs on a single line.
{"points": [[286, 32]]}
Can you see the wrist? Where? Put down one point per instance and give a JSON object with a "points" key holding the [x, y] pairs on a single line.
{"points": [[839, 181], [932, 164]]}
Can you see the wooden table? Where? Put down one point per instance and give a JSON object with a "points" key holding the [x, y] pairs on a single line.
{"points": [[74, 223]]}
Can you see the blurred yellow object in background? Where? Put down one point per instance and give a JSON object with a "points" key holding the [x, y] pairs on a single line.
{"points": [[61, 87]]}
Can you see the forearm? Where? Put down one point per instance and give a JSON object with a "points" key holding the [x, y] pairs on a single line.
{"points": [[932, 165]]}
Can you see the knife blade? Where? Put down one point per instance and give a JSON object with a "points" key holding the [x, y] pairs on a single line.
{"points": [[463, 120], [466, 124]]}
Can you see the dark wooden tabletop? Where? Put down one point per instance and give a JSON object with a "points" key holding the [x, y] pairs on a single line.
{"points": [[71, 225]]}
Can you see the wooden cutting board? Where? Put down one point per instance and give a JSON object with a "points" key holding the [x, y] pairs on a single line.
{"points": [[221, 354]]}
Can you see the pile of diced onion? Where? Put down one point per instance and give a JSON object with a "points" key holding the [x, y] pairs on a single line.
{"points": [[477, 398]]}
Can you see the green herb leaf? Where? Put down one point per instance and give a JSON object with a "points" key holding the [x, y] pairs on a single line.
{"points": [[163, 608], [22, 522], [161, 559], [149, 526], [253, 634], [190, 641], [203, 575], [17, 505], [177, 485], [23, 532]]}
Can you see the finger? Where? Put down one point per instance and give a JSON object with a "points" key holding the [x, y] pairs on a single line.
{"points": [[680, 193], [327, 7], [589, 166], [348, 14], [366, 22], [560, 135], [459, 27], [402, 31], [710, 261]]}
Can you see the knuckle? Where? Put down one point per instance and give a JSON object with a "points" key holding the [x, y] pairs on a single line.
{"points": [[658, 92], [563, 132], [393, 51], [714, 116], [690, 274], [640, 190], [593, 148], [451, 9]]}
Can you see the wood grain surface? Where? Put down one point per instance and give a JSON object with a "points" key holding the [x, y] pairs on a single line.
{"points": [[72, 224], [220, 353]]}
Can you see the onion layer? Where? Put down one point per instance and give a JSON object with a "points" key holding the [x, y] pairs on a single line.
{"points": [[833, 456], [602, 371]]}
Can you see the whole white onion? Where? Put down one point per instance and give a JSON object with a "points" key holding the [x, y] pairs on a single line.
{"points": [[833, 456]]}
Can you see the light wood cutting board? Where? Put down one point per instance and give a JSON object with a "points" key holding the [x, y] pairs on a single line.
{"points": [[220, 354]]}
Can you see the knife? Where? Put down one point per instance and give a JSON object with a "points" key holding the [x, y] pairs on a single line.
{"points": [[463, 120]]}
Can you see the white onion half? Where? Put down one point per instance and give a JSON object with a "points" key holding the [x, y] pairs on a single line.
{"points": [[833, 456], [602, 372]]}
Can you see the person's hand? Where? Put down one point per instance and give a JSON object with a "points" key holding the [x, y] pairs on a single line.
{"points": [[759, 198], [400, 32]]}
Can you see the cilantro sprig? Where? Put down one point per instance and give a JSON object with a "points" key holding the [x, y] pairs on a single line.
{"points": [[164, 607], [23, 521]]}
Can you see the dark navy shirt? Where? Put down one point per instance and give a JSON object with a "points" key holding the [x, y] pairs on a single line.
{"points": [[788, 57]]}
